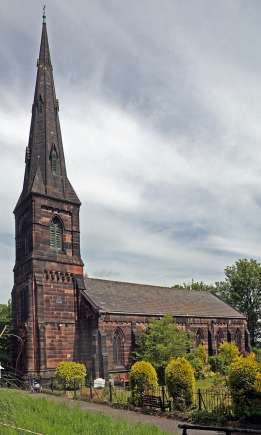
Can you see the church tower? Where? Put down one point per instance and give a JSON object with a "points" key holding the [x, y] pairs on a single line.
{"points": [[48, 272]]}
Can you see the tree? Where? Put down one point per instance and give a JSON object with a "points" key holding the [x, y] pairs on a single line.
{"points": [[71, 373], [143, 377], [242, 290], [162, 340], [196, 285], [5, 326], [180, 381]]}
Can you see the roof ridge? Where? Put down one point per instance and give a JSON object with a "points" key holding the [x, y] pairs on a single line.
{"points": [[151, 285]]}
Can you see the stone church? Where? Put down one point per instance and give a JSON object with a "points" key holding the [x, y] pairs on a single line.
{"points": [[59, 314]]}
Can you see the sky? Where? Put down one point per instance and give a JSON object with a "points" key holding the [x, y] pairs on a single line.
{"points": [[160, 112]]}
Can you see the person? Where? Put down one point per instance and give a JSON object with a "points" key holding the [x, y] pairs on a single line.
{"points": [[36, 386]]}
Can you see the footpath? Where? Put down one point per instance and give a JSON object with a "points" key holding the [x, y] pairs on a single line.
{"points": [[166, 424]]}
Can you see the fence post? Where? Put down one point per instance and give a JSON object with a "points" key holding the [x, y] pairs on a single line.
{"points": [[163, 397], [74, 389], [199, 400], [110, 391], [91, 396]]}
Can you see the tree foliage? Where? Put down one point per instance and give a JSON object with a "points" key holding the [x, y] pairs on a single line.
{"points": [[161, 341], [242, 290], [71, 373], [229, 352], [5, 323], [180, 381], [143, 377], [244, 378], [198, 359], [196, 285]]}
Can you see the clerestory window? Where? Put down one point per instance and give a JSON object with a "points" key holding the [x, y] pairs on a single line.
{"points": [[56, 234]]}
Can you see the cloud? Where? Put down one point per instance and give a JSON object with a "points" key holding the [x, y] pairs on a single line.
{"points": [[160, 118]]}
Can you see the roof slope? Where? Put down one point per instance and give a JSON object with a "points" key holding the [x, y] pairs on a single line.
{"points": [[129, 298]]}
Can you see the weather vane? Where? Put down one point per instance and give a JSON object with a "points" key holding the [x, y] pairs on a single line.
{"points": [[44, 15]]}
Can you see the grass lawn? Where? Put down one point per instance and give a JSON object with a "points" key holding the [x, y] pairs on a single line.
{"points": [[204, 384], [46, 417]]}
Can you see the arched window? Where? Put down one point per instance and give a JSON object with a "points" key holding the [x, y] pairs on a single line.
{"points": [[219, 337], [56, 234], [229, 337], [210, 343], [199, 337], [55, 168], [117, 345], [238, 339]]}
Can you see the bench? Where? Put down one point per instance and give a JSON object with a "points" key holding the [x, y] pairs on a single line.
{"points": [[226, 430], [156, 402]]}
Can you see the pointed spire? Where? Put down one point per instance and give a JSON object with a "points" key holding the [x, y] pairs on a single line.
{"points": [[44, 14], [44, 155]]}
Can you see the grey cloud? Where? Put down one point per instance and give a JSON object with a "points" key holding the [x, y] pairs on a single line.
{"points": [[160, 114]]}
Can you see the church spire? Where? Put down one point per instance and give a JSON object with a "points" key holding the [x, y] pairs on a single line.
{"points": [[45, 171]]}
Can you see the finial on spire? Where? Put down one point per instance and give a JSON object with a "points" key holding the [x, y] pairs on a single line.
{"points": [[44, 14]]}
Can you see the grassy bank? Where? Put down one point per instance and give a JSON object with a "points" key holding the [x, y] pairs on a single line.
{"points": [[46, 417]]}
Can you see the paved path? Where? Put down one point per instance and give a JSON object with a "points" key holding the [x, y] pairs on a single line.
{"points": [[166, 424]]}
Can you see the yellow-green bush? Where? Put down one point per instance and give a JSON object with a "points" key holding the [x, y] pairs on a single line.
{"points": [[257, 384], [228, 352], [201, 353], [244, 372], [180, 381], [71, 373], [143, 377]]}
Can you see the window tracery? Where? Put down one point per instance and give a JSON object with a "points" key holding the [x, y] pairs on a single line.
{"points": [[118, 349]]}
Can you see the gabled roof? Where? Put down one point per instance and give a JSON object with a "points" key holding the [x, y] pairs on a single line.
{"points": [[129, 298]]}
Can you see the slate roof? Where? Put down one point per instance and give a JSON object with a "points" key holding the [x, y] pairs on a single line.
{"points": [[129, 298]]}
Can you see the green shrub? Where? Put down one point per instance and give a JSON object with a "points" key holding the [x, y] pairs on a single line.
{"points": [[70, 373], [244, 373], [198, 365], [198, 359], [218, 416], [180, 381], [142, 377], [257, 385], [217, 364], [257, 351], [228, 352], [201, 353]]}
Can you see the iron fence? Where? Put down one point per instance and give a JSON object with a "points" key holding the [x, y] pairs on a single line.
{"points": [[217, 402]]}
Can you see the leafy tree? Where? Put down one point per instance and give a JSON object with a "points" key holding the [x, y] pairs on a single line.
{"points": [[228, 352], [180, 382], [244, 375], [71, 373], [242, 290], [196, 285], [198, 359], [5, 326], [162, 340], [143, 377]]}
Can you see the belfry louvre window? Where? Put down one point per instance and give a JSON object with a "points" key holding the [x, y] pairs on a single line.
{"points": [[56, 234], [54, 162]]}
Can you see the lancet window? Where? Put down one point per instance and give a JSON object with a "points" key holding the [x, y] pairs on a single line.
{"points": [[56, 234]]}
